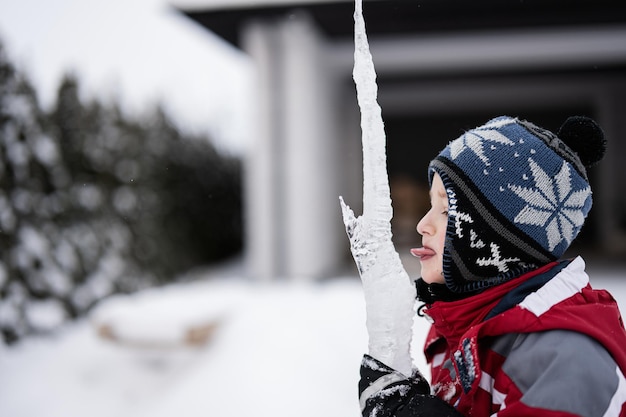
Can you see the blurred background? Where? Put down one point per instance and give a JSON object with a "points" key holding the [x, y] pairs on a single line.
{"points": [[442, 68], [170, 173]]}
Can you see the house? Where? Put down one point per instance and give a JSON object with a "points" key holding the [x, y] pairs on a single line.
{"points": [[443, 67]]}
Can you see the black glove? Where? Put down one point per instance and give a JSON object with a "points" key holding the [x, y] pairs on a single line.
{"points": [[427, 406], [384, 392]]}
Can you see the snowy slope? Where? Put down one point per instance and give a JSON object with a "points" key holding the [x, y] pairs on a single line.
{"points": [[280, 350]]}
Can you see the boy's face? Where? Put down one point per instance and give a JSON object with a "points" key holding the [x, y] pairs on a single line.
{"points": [[432, 227]]}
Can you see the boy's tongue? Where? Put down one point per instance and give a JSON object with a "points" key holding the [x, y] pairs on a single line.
{"points": [[419, 252]]}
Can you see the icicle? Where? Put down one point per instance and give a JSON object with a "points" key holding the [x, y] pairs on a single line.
{"points": [[389, 293]]}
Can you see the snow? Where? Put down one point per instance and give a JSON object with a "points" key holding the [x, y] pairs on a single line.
{"points": [[279, 350], [45, 314]]}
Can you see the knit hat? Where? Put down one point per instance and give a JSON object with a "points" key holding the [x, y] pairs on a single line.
{"points": [[517, 197]]}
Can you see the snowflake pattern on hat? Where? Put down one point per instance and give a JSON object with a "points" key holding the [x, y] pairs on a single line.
{"points": [[474, 140], [554, 202]]}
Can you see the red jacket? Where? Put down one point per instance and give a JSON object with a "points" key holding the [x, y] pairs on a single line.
{"points": [[544, 344]]}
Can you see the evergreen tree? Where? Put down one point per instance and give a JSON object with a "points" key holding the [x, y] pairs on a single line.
{"points": [[33, 288]]}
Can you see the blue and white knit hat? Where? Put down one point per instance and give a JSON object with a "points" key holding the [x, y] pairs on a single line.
{"points": [[518, 195]]}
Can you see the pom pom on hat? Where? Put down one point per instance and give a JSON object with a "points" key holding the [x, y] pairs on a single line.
{"points": [[585, 137]]}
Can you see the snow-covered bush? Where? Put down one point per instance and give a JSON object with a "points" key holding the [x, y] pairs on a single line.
{"points": [[93, 203]]}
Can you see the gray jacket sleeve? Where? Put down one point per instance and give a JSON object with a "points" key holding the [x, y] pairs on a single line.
{"points": [[564, 371]]}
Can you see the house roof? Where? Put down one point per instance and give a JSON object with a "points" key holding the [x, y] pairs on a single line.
{"points": [[392, 17], [238, 4]]}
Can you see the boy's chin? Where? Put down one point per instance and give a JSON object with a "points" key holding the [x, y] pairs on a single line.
{"points": [[433, 277]]}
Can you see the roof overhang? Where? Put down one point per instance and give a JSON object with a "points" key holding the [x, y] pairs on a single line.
{"points": [[406, 17]]}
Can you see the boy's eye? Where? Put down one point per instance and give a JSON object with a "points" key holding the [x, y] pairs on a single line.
{"points": [[445, 212]]}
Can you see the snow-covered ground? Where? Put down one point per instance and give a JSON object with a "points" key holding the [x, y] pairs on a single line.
{"points": [[278, 350]]}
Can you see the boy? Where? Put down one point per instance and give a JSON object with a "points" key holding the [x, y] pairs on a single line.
{"points": [[516, 331]]}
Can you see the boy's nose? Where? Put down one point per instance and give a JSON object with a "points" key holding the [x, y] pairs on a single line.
{"points": [[422, 225]]}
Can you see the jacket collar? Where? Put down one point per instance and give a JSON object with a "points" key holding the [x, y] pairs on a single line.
{"points": [[451, 319]]}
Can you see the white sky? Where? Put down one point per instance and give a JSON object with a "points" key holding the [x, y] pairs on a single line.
{"points": [[138, 52]]}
